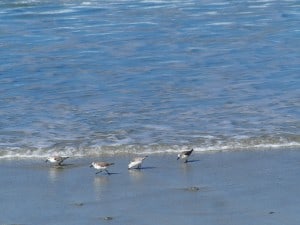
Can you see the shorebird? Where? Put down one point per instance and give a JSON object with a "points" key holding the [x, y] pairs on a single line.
{"points": [[136, 163], [58, 160], [101, 166], [185, 155]]}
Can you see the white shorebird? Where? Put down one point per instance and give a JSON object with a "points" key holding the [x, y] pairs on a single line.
{"points": [[136, 163], [101, 166], [185, 155], [58, 160]]}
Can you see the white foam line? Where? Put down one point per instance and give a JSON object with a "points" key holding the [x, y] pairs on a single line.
{"points": [[259, 6], [211, 13], [219, 3], [62, 11], [38, 154], [220, 24]]}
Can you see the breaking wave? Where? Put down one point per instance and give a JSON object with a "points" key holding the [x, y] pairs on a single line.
{"points": [[210, 144]]}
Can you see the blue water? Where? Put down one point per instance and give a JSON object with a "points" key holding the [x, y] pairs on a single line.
{"points": [[90, 77]]}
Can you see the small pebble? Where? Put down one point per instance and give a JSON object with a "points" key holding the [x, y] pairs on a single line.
{"points": [[193, 189], [108, 218], [78, 204]]}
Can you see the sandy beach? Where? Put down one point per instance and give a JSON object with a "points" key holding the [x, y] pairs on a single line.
{"points": [[241, 187], [101, 80]]}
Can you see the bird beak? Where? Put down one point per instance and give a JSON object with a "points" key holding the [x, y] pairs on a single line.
{"points": [[178, 158], [46, 160], [91, 165]]}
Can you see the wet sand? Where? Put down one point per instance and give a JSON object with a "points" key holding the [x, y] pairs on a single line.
{"points": [[246, 187]]}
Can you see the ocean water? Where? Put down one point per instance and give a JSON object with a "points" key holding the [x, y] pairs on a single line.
{"points": [[90, 77]]}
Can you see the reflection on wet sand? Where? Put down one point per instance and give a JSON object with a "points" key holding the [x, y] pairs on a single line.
{"points": [[136, 175], [54, 172], [100, 183]]}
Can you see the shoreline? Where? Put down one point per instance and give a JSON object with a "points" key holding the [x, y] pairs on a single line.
{"points": [[132, 154], [235, 145], [231, 187]]}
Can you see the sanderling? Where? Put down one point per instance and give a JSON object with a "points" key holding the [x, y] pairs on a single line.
{"points": [[185, 155], [57, 159], [136, 162], [101, 166]]}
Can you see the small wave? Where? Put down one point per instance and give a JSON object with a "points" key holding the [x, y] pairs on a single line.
{"points": [[259, 6], [219, 3], [211, 13], [58, 11], [221, 24]]}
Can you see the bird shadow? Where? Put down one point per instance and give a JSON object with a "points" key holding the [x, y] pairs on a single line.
{"points": [[143, 168], [107, 174], [64, 166], [193, 161], [147, 167], [113, 173], [67, 164]]}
